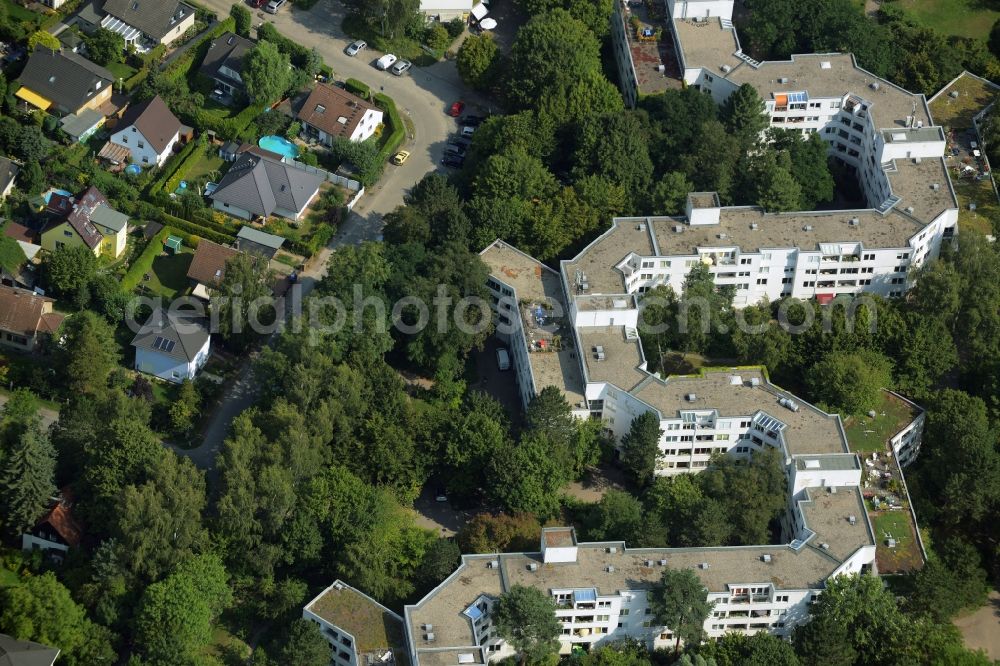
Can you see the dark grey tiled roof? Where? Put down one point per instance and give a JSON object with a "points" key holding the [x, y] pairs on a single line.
{"points": [[153, 17], [187, 333], [25, 653], [65, 78], [227, 50], [8, 172], [260, 185]]}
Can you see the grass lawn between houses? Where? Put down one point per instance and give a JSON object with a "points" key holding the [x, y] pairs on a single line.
{"points": [[168, 276], [866, 434], [961, 18], [121, 70]]}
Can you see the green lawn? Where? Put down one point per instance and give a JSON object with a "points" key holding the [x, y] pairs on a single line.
{"points": [[19, 13], [168, 277], [121, 70], [865, 434], [962, 18], [226, 648], [209, 162]]}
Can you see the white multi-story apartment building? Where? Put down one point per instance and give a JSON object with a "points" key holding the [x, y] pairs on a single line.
{"points": [[883, 133]]}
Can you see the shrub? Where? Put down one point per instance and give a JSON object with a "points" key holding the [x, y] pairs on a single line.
{"points": [[359, 88], [437, 37], [144, 263], [455, 27], [397, 130], [192, 241], [200, 230]]}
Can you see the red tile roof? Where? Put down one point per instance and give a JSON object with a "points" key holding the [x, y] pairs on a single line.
{"points": [[60, 518]]}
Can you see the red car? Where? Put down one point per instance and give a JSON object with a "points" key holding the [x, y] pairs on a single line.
{"points": [[257, 4], [456, 109]]}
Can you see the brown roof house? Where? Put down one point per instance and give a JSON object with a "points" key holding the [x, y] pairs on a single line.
{"points": [[87, 220], [330, 112], [148, 132], [209, 266], [25, 317], [57, 531]]}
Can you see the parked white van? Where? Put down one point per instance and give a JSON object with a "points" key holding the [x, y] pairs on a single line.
{"points": [[385, 62]]}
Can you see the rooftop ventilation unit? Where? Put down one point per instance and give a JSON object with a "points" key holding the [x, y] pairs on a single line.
{"points": [[917, 160], [533, 566], [609, 569], [808, 227], [640, 227], [853, 520], [891, 543], [783, 79], [678, 228], [825, 546], [874, 85], [703, 565], [754, 226], [854, 222], [612, 550], [788, 404], [936, 186], [493, 564], [726, 69], [755, 381], [429, 637], [766, 557], [722, 236], [909, 210], [691, 397], [649, 563], [427, 627], [663, 562]]}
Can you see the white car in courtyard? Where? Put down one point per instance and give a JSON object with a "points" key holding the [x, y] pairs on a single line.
{"points": [[385, 62]]}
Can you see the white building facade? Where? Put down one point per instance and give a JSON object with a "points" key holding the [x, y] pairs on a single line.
{"points": [[142, 151]]}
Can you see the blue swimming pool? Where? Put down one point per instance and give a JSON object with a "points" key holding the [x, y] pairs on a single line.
{"points": [[133, 169], [280, 145], [48, 195]]}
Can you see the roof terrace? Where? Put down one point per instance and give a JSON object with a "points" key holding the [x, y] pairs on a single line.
{"points": [[654, 59]]}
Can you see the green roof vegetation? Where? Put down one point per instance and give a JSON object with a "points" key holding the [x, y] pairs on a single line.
{"points": [[373, 627], [866, 434]]}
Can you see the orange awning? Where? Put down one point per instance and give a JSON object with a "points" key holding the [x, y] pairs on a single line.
{"points": [[781, 100], [824, 299], [33, 98]]}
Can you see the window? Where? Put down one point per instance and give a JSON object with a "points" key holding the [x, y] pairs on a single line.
{"points": [[809, 283], [897, 280], [869, 257], [786, 280], [745, 261], [624, 611], [781, 598], [142, 145], [67, 232], [761, 280]]}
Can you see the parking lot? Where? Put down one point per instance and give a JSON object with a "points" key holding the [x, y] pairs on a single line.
{"points": [[501, 385]]}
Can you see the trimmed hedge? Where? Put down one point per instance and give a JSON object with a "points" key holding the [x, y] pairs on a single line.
{"points": [[197, 229], [189, 161], [173, 166], [144, 263], [394, 123], [359, 88]]}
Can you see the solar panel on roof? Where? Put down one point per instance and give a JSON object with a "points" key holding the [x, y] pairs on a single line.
{"points": [[590, 594], [163, 344], [798, 97]]}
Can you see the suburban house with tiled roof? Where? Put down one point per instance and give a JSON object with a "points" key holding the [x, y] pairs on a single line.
{"points": [[25, 317], [224, 62], [57, 531], [261, 186], [25, 653], [209, 266], [148, 22], [89, 220], [172, 345], [8, 172], [65, 82], [148, 131], [330, 112]]}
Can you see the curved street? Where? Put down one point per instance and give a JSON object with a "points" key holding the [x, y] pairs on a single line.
{"points": [[423, 95]]}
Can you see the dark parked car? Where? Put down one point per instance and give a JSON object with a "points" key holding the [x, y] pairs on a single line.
{"points": [[452, 161], [473, 121], [456, 148]]}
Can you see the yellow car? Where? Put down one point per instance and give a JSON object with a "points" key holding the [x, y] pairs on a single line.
{"points": [[400, 157]]}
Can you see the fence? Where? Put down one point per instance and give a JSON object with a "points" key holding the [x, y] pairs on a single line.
{"points": [[352, 185]]}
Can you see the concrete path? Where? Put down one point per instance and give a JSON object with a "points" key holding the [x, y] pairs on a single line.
{"points": [[187, 45], [48, 416]]}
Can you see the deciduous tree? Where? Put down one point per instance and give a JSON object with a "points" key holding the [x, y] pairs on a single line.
{"points": [[680, 601], [477, 61], [526, 618], [68, 268], [851, 381], [105, 47], [243, 18], [641, 446], [265, 74]]}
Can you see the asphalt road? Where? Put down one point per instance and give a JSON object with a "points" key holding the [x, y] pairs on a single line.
{"points": [[423, 95]]}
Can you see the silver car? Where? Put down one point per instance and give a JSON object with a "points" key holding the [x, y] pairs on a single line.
{"points": [[355, 48], [273, 6], [401, 67]]}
